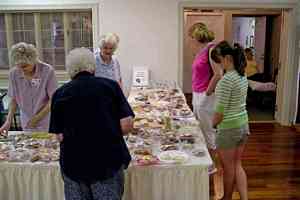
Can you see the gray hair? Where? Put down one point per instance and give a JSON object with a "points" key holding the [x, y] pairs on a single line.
{"points": [[78, 60], [23, 53], [111, 38]]}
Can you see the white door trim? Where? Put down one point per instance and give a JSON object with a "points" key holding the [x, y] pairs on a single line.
{"points": [[285, 110]]}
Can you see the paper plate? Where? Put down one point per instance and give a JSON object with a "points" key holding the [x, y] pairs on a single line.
{"points": [[173, 157]]}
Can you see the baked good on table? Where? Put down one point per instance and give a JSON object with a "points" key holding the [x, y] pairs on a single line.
{"points": [[169, 147], [142, 151], [189, 138], [146, 160]]}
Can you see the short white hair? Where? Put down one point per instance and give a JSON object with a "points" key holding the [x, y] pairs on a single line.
{"points": [[110, 38], [79, 60], [23, 53]]}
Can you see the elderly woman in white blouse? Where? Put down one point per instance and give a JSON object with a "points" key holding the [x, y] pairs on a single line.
{"points": [[107, 65]]}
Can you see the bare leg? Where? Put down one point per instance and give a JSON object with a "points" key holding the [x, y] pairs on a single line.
{"points": [[228, 160], [241, 177], [218, 176]]}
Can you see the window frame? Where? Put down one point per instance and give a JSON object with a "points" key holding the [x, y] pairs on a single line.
{"points": [[62, 75]]}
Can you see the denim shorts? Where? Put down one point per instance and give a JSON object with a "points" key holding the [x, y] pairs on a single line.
{"points": [[232, 138]]}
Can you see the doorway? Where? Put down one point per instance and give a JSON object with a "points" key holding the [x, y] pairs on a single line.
{"points": [[258, 31], [213, 20], [260, 34]]}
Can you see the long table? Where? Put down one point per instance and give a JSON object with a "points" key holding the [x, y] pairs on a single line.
{"points": [[43, 181]]}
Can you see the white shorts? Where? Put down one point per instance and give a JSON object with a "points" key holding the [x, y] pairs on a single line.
{"points": [[203, 108]]}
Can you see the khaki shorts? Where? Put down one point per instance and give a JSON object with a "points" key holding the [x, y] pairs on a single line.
{"points": [[232, 138]]}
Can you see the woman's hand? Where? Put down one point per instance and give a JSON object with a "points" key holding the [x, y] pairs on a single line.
{"points": [[126, 125], [217, 119], [60, 137], [33, 122], [12, 109], [4, 128], [208, 94]]}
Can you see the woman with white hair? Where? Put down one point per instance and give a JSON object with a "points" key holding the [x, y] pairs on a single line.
{"points": [[108, 66], [31, 86], [91, 113]]}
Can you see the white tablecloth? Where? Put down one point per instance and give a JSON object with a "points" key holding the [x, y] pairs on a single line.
{"points": [[27, 181], [39, 181], [175, 182]]}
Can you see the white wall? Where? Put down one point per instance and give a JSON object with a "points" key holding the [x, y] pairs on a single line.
{"points": [[148, 35], [148, 29]]}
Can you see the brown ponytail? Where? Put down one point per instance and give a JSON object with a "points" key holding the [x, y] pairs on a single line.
{"points": [[224, 48], [239, 59]]}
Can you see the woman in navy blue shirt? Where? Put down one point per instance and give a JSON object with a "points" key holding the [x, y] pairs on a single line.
{"points": [[90, 115]]}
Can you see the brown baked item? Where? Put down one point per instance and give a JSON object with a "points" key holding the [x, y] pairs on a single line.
{"points": [[169, 147], [135, 131], [35, 158], [185, 112], [187, 137], [142, 152]]}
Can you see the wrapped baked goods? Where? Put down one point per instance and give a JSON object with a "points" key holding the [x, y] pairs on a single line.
{"points": [[146, 160], [169, 147], [142, 151], [186, 137]]}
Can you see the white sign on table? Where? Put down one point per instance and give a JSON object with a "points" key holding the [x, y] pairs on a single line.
{"points": [[140, 77]]}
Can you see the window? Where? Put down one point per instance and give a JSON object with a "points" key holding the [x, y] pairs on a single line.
{"points": [[53, 33], [3, 44], [23, 28], [79, 29], [52, 37]]}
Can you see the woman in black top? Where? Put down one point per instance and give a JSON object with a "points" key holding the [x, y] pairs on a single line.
{"points": [[90, 115]]}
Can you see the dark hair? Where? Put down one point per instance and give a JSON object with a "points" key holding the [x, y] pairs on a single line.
{"points": [[223, 49], [248, 50]]}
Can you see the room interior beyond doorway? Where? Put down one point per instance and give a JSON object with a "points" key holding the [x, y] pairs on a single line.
{"points": [[260, 37]]}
